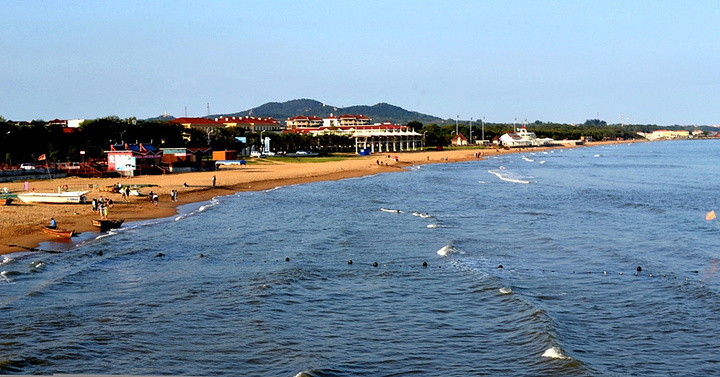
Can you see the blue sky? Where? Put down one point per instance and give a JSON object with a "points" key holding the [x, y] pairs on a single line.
{"points": [[650, 62]]}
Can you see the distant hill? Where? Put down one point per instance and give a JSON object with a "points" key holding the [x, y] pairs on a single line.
{"points": [[381, 112]]}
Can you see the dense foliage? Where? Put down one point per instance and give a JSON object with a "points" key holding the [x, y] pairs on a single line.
{"points": [[27, 141]]}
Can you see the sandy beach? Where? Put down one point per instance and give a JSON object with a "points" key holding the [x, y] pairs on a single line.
{"points": [[22, 223]]}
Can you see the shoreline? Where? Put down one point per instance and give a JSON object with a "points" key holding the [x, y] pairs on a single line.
{"points": [[24, 221]]}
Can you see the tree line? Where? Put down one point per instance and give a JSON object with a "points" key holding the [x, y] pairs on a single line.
{"points": [[26, 142]]}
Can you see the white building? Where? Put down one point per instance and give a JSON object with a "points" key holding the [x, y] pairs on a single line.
{"points": [[523, 138]]}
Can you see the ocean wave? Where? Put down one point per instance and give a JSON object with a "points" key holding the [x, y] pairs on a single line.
{"points": [[447, 250], [433, 226], [505, 178], [5, 277], [505, 290], [554, 353], [202, 208], [35, 265], [390, 210], [6, 260]]}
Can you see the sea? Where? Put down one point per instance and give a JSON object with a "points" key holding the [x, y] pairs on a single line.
{"points": [[594, 261]]}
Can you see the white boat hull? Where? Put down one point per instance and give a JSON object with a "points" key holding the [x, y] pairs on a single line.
{"points": [[69, 197]]}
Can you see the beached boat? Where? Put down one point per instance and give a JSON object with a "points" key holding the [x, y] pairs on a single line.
{"points": [[59, 233], [106, 225], [67, 197]]}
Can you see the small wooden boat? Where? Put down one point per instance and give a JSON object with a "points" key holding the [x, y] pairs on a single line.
{"points": [[59, 233], [106, 225]]}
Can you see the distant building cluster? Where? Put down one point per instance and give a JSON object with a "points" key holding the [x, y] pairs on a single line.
{"points": [[313, 125], [369, 137], [523, 138], [670, 134]]}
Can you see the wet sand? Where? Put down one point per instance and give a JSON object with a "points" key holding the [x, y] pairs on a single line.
{"points": [[22, 223]]}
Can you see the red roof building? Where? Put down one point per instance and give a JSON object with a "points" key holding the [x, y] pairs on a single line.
{"points": [[251, 123], [201, 123], [302, 121]]}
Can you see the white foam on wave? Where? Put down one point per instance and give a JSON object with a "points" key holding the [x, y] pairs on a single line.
{"points": [[446, 250], [505, 290], [212, 203], [542, 162], [504, 178], [482, 182], [103, 236], [432, 226], [391, 210], [554, 353], [528, 159], [4, 277], [6, 260]]}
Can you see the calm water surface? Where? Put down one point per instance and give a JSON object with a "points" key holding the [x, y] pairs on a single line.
{"points": [[568, 301]]}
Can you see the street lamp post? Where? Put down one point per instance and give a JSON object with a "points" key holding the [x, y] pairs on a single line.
{"points": [[209, 132], [471, 141], [483, 130], [456, 124]]}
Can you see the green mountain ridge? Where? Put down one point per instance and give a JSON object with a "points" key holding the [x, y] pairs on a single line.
{"points": [[381, 112]]}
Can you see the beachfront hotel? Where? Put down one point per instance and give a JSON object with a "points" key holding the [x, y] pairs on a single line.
{"points": [[369, 137]]}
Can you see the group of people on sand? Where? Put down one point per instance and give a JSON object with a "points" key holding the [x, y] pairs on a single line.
{"points": [[101, 206], [153, 196], [124, 191]]}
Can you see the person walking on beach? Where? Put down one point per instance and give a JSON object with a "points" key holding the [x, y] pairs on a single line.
{"points": [[213, 179]]}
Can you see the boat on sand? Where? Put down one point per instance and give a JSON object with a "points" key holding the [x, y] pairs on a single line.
{"points": [[67, 197], [59, 233], [105, 224]]}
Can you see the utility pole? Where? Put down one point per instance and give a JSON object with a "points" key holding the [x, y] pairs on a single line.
{"points": [[471, 142]]}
